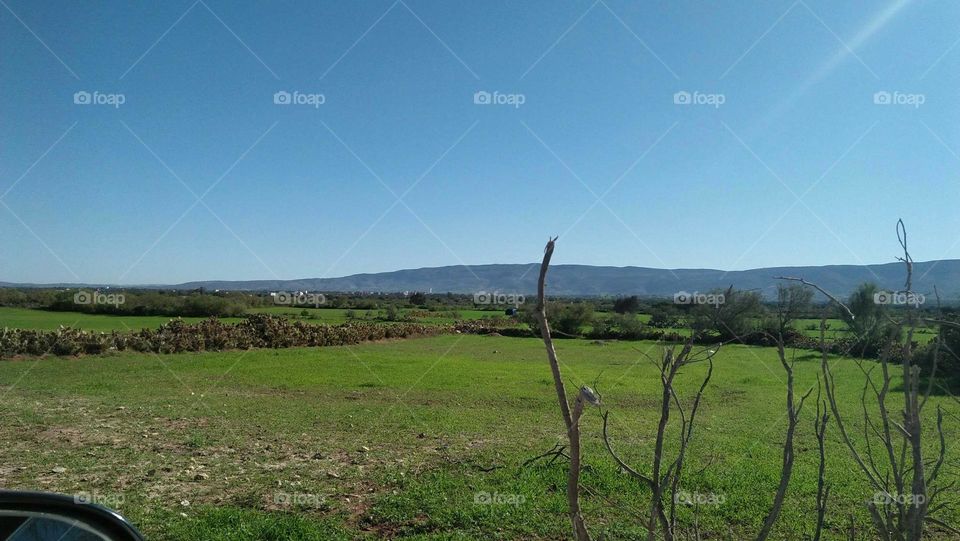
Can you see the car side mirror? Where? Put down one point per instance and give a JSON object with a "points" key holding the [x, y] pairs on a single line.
{"points": [[45, 516]]}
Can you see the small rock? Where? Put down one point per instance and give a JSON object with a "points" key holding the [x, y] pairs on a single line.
{"points": [[185, 503], [59, 469], [364, 449], [200, 476]]}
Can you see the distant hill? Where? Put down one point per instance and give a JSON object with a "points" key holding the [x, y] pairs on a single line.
{"points": [[587, 280]]}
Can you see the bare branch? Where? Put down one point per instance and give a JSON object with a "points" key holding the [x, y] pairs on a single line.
{"points": [[571, 420], [823, 489]]}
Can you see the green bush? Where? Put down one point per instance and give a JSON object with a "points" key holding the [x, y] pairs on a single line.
{"points": [[661, 318], [948, 344], [571, 318], [629, 327]]}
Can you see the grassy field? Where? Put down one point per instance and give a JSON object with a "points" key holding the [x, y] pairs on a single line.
{"points": [[837, 328], [397, 439], [25, 318]]}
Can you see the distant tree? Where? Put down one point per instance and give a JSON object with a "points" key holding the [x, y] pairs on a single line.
{"points": [[866, 311], [564, 318], [792, 300], [627, 305], [573, 317], [946, 350], [418, 299], [733, 316], [528, 315], [12, 297], [869, 323], [662, 318], [629, 326], [602, 328]]}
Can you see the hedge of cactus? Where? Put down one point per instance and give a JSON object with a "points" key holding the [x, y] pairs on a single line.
{"points": [[256, 331]]}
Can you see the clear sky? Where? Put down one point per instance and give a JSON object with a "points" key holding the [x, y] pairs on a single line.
{"points": [[784, 158]]}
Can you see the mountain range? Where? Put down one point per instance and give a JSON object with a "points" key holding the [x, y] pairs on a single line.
{"points": [[588, 280]]}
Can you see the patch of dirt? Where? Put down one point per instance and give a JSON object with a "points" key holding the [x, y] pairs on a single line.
{"points": [[69, 435], [143, 458]]}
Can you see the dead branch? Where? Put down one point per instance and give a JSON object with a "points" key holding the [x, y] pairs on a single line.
{"points": [[786, 469], [571, 420], [558, 450], [623, 465], [823, 489]]}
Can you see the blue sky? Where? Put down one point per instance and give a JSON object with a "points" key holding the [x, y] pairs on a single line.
{"points": [[797, 166]]}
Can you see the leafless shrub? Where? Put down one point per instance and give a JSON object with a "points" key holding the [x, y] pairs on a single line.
{"points": [[892, 457], [666, 475]]}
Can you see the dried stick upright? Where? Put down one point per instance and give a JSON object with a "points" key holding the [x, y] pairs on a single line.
{"points": [[570, 419], [793, 419], [820, 429]]}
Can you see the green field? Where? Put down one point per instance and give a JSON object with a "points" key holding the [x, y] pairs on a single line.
{"points": [[25, 318], [837, 328], [396, 439]]}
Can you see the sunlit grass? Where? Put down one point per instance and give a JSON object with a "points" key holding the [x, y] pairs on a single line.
{"points": [[396, 439]]}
